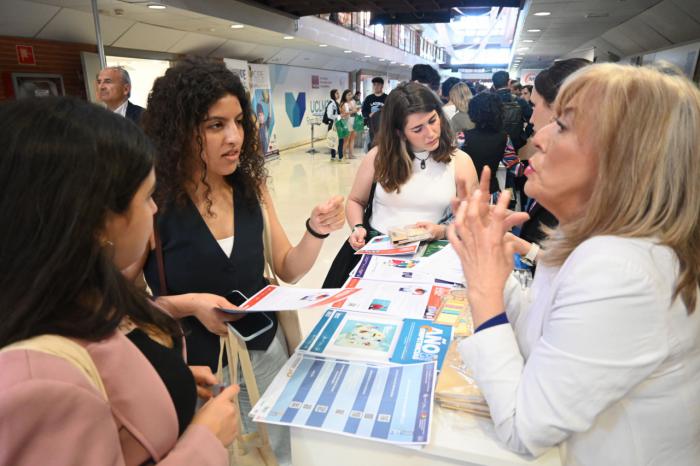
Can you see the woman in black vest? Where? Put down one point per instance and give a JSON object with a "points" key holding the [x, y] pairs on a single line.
{"points": [[211, 192]]}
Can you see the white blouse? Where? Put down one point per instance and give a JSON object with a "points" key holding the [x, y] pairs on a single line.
{"points": [[598, 358], [424, 197]]}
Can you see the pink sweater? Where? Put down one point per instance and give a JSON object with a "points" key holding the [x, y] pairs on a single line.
{"points": [[50, 413]]}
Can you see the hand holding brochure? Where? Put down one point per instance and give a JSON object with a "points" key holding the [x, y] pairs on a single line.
{"points": [[382, 246], [409, 234], [284, 298]]}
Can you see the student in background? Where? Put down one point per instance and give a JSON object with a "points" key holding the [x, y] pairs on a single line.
{"points": [[373, 103]]}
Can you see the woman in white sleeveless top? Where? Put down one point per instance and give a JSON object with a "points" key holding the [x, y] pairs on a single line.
{"points": [[415, 164]]}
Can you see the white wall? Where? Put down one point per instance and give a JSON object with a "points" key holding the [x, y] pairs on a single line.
{"points": [[142, 73], [316, 84]]}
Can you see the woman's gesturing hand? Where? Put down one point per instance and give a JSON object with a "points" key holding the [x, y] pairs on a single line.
{"points": [[329, 216]]}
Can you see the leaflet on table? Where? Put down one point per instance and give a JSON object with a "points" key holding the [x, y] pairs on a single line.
{"points": [[383, 403], [393, 299], [365, 337], [443, 265], [401, 270], [283, 298], [383, 246]]}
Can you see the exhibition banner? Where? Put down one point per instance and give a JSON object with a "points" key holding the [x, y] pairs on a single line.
{"points": [[261, 94], [240, 69]]}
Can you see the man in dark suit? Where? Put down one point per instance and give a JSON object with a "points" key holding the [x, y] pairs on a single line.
{"points": [[114, 90]]}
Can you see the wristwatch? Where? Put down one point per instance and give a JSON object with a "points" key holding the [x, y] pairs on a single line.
{"points": [[531, 255]]}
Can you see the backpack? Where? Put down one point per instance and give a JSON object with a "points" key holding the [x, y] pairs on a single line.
{"points": [[513, 123], [325, 119]]}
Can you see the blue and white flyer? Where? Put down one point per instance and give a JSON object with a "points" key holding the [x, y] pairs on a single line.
{"points": [[358, 336], [384, 403], [402, 270]]}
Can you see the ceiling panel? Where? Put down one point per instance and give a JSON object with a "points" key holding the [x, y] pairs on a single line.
{"points": [[146, 37], [283, 56], [691, 7], [622, 41], [233, 49], [77, 26], [671, 22], [644, 35], [199, 44], [24, 19]]}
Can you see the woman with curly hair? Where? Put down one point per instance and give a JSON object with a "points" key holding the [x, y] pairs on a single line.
{"points": [[213, 200]]}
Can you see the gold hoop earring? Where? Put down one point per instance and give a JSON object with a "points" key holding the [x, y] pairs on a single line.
{"points": [[107, 243]]}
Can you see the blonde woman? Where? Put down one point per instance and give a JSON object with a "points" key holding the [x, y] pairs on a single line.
{"points": [[601, 354], [460, 95]]}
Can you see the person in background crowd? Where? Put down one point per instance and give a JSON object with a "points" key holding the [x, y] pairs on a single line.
{"points": [[460, 95], [517, 89], [373, 103], [527, 92], [331, 115], [547, 84], [92, 372], [517, 112], [600, 355], [449, 107], [214, 203], [357, 98], [426, 75], [348, 110], [114, 90], [263, 125], [409, 178], [488, 144]]}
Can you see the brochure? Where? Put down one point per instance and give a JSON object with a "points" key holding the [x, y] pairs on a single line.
{"points": [[392, 298], [401, 270], [454, 311], [383, 403], [284, 298], [350, 335], [382, 246]]}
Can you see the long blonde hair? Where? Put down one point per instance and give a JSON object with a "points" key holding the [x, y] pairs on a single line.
{"points": [[460, 96], [645, 127]]}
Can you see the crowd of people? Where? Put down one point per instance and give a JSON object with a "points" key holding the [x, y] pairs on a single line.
{"points": [[125, 232]]}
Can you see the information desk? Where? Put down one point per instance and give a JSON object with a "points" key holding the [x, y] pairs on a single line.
{"points": [[456, 438]]}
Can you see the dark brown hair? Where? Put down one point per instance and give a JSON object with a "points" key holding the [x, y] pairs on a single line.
{"points": [[177, 105], [393, 164]]}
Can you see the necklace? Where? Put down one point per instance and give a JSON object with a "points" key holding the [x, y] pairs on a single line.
{"points": [[422, 161]]}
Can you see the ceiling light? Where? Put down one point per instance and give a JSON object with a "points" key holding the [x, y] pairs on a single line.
{"points": [[392, 63], [382, 59], [523, 48], [543, 13], [528, 41], [288, 37], [156, 6], [323, 45], [534, 30], [347, 51], [368, 56], [237, 26]]}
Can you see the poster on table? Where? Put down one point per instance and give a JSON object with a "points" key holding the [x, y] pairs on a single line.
{"points": [[383, 403], [261, 97], [380, 339], [240, 69]]}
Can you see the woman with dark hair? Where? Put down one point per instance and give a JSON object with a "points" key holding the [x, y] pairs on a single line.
{"points": [[410, 177], [332, 115], [348, 110], [488, 143], [74, 386], [214, 202]]}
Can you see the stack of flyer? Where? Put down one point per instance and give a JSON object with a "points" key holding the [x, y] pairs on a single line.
{"points": [[369, 367], [456, 388]]}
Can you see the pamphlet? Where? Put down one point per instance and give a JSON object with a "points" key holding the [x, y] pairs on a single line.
{"points": [[409, 234], [383, 403], [382, 246], [401, 270], [284, 298], [454, 311], [392, 298]]}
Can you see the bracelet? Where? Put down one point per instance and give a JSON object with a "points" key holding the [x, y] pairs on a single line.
{"points": [[359, 225], [314, 233]]}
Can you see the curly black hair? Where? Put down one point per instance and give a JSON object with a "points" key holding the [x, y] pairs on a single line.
{"points": [[486, 111], [177, 105]]}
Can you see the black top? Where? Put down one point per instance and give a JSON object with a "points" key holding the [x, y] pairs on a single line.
{"points": [[195, 263], [532, 229], [133, 112], [372, 103], [173, 371], [485, 148]]}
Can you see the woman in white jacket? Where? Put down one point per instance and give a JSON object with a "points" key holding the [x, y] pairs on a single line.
{"points": [[602, 355]]}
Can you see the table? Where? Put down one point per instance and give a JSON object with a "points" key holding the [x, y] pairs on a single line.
{"points": [[456, 438]]}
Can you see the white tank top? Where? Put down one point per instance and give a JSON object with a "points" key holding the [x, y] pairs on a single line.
{"points": [[424, 197]]}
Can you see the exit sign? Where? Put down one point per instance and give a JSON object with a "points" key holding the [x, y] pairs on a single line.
{"points": [[25, 55]]}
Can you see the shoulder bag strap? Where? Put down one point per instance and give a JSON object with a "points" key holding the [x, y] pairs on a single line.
{"points": [[159, 259]]}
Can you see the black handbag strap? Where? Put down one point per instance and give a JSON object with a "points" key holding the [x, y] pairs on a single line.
{"points": [[160, 264], [367, 215]]}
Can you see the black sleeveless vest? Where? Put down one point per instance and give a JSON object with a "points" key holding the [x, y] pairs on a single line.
{"points": [[195, 263]]}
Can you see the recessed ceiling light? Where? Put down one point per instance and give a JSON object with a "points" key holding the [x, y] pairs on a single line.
{"points": [[288, 37], [237, 26], [534, 30], [392, 63], [368, 56], [382, 59], [347, 51], [543, 13], [323, 45], [528, 41], [156, 6]]}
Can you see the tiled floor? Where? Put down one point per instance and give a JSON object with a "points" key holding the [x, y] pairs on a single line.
{"points": [[299, 181]]}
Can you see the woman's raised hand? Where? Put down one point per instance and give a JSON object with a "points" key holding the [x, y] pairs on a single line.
{"points": [[329, 216]]}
